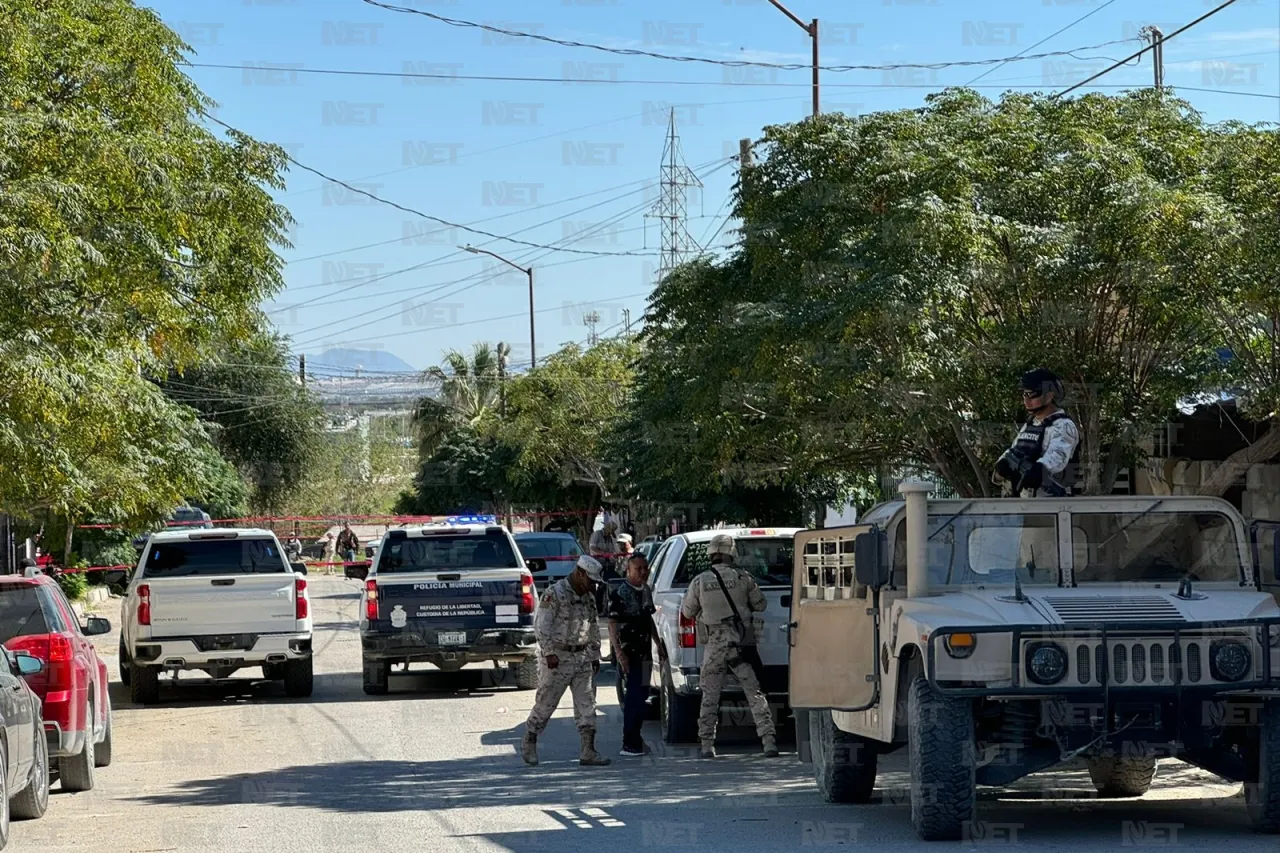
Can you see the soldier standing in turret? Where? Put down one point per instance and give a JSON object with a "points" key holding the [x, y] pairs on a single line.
{"points": [[1043, 458]]}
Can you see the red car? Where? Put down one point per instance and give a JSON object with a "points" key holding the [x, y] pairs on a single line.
{"points": [[35, 617]]}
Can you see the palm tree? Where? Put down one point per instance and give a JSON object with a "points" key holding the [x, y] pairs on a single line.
{"points": [[469, 389]]}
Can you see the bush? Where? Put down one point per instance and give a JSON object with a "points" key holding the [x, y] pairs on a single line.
{"points": [[74, 584]]}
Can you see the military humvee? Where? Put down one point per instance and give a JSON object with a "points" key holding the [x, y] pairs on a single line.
{"points": [[995, 638]]}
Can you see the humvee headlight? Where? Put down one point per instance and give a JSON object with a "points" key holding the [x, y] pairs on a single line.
{"points": [[960, 645], [1229, 660], [1046, 663]]}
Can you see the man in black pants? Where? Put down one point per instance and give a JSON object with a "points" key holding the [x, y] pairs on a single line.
{"points": [[631, 636]]}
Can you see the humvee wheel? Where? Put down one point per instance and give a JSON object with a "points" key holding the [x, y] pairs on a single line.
{"points": [[844, 764], [1262, 794], [942, 751], [1114, 776]]}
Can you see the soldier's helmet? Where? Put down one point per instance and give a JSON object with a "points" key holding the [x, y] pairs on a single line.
{"points": [[721, 543], [1041, 381], [591, 566]]}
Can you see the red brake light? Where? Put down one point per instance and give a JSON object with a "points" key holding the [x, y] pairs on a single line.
{"points": [[526, 593], [59, 648], [300, 598], [371, 600], [688, 632], [144, 604], [757, 532]]}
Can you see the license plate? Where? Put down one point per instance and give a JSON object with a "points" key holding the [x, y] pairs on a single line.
{"points": [[452, 638]]}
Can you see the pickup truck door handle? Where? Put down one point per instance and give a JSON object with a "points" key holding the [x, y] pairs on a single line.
{"points": [[223, 582], [448, 577]]}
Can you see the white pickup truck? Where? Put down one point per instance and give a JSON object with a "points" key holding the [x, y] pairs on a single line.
{"points": [[216, 601], [765, 552]]}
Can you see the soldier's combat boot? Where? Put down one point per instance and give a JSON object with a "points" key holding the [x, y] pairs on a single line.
{"points": [[770, 746], [529, 749], [708, 749], [589, 757]]}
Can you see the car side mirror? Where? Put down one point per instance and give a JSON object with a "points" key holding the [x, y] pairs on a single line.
{"points": [[96, 626], [300, 568], [869, 569], [28, 664], [115, 577], [536, 564]]}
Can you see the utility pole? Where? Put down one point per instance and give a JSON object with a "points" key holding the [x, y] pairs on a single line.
{"points": [[626, 321], [812, 29], [590, 320], [504, 350], [533, 350], [302, 370], [1156, 37]]}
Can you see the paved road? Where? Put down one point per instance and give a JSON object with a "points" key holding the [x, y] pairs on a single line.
{"points": [[433, 766]]}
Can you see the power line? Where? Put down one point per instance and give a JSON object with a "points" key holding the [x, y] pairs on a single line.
{"points": [[730, 63], [428, 216], [1152, 46], [1043, 40]]}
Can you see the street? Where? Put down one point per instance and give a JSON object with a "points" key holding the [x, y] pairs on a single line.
{"points": [[434, 766]]}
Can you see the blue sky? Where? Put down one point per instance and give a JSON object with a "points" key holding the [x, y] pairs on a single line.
{"points": [[552, 161]]}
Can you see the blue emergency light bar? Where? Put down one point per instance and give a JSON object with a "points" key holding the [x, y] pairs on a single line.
{"points": [[472, 519]]}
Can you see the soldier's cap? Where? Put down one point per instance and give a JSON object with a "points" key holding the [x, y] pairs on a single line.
{"points": [[592, 567], [721, 543]]}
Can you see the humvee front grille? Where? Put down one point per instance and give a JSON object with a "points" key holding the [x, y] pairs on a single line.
{"points": [[1099, 608], [1144, 661]]}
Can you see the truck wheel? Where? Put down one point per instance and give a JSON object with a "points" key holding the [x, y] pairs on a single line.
{"points": [[375, 677], [125, 671], [144, 687], [34, 799], [844, 764], [941, 746], [679, 715], [1115, 776], [102, 750], [1262, 794], [299, 677], [527, 674], [76, 771]]}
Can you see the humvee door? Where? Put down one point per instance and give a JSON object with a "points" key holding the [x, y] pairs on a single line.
{"points": [[833, 654]]}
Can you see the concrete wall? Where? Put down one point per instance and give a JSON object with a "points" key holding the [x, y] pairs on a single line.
{"points": [[1261, 497]]}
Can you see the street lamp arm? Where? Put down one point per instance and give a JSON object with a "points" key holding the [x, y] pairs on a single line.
{"points": [[476, 251], [784, 10]]}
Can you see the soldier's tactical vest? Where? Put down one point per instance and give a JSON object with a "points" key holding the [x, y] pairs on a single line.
{"points": [[715, 608], [1029, 445]]}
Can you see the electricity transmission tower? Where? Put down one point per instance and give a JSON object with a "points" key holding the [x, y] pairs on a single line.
{"points": [[590, 320], [671, 206]]}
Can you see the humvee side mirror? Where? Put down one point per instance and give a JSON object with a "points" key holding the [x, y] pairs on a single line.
{"points": [[868, 568], [300, 568]]}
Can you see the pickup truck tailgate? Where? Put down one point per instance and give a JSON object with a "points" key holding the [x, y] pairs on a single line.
{"points": [[773, 646], [192, 606], [449, 601]]}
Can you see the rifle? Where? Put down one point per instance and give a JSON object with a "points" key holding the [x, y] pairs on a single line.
{"points": [[1050, 486]]}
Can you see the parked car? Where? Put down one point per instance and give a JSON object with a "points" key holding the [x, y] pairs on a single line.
{"points": [[217, 601], [24, 751], [36, 618], [560, 551]]}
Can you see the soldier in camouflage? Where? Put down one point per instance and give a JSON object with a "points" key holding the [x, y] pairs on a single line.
{"points": [[730, 641], [568, 631]]}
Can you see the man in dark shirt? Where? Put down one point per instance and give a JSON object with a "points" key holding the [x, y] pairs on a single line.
{"points": [[631, 635]]}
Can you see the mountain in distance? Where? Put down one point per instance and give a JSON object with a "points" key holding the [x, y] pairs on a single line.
{"points": [[345, 362]]}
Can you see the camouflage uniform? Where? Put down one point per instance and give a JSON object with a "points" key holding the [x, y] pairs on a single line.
{"points": [[567, 626], [705, 602]]}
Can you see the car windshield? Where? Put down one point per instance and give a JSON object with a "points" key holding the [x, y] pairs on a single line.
{"points": [[966, 550], [1157, 546], [769, 560], [447, 551], [22, 613], [186, 558], [548, 546]]}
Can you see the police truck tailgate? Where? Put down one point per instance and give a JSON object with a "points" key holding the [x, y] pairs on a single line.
{"points": [[449, 608]]}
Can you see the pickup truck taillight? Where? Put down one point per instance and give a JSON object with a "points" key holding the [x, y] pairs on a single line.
{"points": [[688, 632], [300, 598], [371, 600], [61, 654], [144, 605], [526, 593]]}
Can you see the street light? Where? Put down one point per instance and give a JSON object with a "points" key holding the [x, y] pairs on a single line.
{"points": [[812, 29], [533, 355]]}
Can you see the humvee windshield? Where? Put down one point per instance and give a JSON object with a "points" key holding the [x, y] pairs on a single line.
{"points": [[989, 549], [1159, 546]]}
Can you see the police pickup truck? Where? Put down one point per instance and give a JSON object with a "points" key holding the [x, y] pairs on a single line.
{"points": [[449, 594]]}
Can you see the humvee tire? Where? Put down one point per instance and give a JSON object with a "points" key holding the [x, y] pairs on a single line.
{"points": [[940, 734], [1114, 776], [844, 765], [1262, 795]]}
